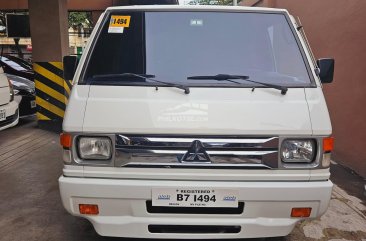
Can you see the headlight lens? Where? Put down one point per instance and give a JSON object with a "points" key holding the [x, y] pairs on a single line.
{"points": [[11, 91], [95, 148], [298, 151]]}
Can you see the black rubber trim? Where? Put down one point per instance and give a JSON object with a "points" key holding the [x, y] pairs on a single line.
{"points": [[194, 210], [193, 229]]}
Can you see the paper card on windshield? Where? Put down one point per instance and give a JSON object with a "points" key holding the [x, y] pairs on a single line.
{"points": [[118, 23]]}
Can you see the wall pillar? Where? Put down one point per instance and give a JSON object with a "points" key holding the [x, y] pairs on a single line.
{"points": [[50, 42]]}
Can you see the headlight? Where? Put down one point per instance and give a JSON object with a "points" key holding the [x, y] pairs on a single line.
{"points": [[95, 148], [11, 91], [298, 151]]}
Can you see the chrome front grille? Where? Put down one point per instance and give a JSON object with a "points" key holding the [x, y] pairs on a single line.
{"points": [[196, 152]]}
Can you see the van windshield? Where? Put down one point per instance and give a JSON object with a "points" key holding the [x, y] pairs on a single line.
{"points": [[173, 46]]}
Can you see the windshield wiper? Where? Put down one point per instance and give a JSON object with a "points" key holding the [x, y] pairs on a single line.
{"points": [[144, 76], [229, 78]]}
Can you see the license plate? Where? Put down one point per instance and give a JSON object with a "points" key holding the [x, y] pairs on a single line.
{"points": [[33, 104], [194, 197], [2, 115]]}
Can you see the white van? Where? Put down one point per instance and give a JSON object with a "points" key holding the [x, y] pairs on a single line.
{"points": [[9, 114], [196, 122]]}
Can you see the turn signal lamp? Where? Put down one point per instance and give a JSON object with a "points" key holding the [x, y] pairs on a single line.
{"points": [[66, 143], [89, 209], [65, 140], [300, 212], [328, 144]]}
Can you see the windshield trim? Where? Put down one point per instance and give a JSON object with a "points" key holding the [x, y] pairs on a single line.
{"points": [[83, 81]]}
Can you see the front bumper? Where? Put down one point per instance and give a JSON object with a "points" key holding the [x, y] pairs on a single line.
{"points": [[25, 105], [123, 211], [12, 115]]}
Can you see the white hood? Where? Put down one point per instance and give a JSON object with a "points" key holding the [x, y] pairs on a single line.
{"points": [[205, 111]]}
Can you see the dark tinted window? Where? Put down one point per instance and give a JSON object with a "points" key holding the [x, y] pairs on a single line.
{"points": [[120, 52], [175, 45]]}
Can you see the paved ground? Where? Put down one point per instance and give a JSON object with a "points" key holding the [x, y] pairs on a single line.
{"points": [[30, 206]]}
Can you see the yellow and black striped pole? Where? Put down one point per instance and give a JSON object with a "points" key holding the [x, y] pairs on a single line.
{"points": [[52, 94]]}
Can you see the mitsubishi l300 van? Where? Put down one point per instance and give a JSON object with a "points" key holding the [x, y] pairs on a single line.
{"points": [[9, 114], [196, 122]]}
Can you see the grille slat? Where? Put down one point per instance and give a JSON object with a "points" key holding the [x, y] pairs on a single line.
{"points": [[208, 148], [152, 151]]}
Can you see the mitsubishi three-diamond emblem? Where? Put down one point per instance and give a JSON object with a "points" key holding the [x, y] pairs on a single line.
{"points": [[196, 153]]}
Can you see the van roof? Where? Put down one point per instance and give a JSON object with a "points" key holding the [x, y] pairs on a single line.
{"points": [[197, 8]]}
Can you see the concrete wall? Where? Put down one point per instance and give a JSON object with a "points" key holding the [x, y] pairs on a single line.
{"points": [[13, 4], [336, 28], [76, 5], [49, 29]]}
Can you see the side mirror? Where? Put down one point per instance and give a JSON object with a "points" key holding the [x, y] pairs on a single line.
{"points": [[70, 64], [326, 67]]}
